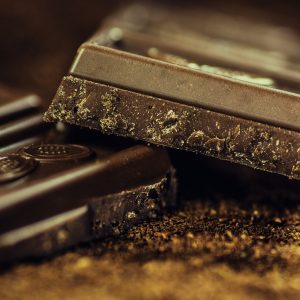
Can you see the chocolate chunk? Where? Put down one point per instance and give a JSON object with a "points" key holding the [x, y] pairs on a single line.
{"points": [[21, 118], [67, 188], [41, 202], [47, 236], [16, 104], [179, 87]]}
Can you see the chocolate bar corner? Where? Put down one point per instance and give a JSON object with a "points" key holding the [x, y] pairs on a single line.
{"points": [[180, 87]]}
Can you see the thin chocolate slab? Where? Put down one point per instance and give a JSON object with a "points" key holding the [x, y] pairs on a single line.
{"points": [[22, 128], [101, 217], [172, 124], [142, 78], [188, 86], [21, 117], [47, 236], [61, 184], [61, 187], [210, 38], [15, 104], [56, 195]]}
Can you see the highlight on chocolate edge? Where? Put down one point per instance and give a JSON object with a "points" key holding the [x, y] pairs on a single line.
{"points": [[150, 149]]}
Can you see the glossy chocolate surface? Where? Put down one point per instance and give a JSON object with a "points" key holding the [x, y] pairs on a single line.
{"points": [[57, 185], [188, 85], [150, 78], [62, 186], [20, 117], [56, 195]]}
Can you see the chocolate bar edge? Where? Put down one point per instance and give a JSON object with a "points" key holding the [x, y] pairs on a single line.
{"points": [[102, 217], [185, 85], [162, 122]]}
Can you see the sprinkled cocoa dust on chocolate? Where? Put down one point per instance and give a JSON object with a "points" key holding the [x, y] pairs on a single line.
{"points": [[169, 123]]}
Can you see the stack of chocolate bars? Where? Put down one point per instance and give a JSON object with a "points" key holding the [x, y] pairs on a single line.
{"points": [[164, 78]]}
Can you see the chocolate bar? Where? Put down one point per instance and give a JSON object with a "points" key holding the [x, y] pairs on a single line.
{"points": [[16, 104], [54, 196], [68, 188], [152, 75], [21, 119]]}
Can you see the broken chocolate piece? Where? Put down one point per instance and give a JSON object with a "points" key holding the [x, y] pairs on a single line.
{"points": [[103, 194], [47, 236], [61, 187], [146, 79]]}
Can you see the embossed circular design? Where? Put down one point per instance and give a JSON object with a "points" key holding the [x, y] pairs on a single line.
{"points": [[15, 166], [56, 152]]}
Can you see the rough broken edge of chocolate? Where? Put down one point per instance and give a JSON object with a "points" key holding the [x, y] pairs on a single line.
{"points": [[162, 122], [130, 208], [105, 216]]}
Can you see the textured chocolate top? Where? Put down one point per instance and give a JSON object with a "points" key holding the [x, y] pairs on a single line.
{"points": [[155, 76], [166, 55]]}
